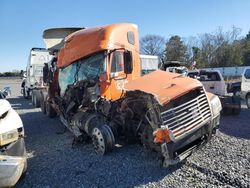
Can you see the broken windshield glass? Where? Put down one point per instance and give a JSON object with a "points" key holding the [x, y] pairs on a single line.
{"points": [[83, 69], [91, 67]]}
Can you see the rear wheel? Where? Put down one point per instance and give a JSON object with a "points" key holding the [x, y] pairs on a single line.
{"points": [[248, 101], [237, 104], [227, 110], [36, 98], [43, 104], [32, 98], [50, 112], [26, 93]]}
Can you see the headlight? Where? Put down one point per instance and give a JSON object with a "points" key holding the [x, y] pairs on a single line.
{"points": [[216, 105], [8, 137]]}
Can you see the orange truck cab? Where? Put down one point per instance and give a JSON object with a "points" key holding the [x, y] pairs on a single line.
{"points": [[98, 93]]}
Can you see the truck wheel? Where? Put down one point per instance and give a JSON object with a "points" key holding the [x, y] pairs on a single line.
{"points": [[50, 112], [103, 139], [248, 101], [228, 110], [237, 103], [26, 93], [36, 98], [32, 98], [43, 104]]}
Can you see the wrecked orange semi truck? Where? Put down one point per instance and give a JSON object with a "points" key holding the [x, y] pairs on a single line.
{"points": [[98, 93]]}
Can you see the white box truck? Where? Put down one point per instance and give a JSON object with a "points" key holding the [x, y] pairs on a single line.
{"points": [[34, 74], [149, 63]]}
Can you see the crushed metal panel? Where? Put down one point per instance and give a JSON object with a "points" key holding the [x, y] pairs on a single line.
{"points": [[163, 85]]}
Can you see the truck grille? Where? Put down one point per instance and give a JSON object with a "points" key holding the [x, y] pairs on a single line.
{"points": [[187, 116]]}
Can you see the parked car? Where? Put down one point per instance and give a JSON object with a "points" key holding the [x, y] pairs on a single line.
{"points": [[13, 160]]}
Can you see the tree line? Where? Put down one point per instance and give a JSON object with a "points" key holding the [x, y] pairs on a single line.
{"points": [[11, 74], [215, 49]]}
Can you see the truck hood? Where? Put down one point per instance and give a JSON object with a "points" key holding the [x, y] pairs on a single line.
{"points": [[164, 86]]}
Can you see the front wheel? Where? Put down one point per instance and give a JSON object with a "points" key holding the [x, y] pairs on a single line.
{"points": [[103, 139]]}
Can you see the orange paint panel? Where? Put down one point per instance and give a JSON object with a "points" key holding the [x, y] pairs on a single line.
{"points": [[85, 42], [163, 85]]}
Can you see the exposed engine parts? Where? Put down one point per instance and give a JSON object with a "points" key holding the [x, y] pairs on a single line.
{"points": [[108, 122], [136, 117]]}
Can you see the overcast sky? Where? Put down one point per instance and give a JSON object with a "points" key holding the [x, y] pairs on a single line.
{"points": [[23, 21]]}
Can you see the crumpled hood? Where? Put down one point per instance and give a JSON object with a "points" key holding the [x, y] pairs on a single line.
{"points": [[164, 86]]}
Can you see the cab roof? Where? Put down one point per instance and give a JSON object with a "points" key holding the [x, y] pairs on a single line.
{"points": [[85, 42]]}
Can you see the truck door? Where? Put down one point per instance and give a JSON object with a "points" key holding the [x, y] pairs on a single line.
{"points": [[245, 85], [117, 76], [213, 83]]}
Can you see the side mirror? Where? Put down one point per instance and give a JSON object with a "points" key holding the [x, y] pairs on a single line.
{"points": [[128, 62], [6, 92]]}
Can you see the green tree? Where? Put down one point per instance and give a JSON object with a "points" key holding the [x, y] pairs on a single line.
{"points": [[176, 50], [246, 50]]}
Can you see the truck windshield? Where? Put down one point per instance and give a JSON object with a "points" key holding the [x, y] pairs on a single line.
{"points": [[83, 69], [91, 67]]}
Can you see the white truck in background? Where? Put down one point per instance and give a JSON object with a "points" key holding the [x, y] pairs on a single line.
{"points": [[245, 86], [213, 82], [34, 74], [149, 63]]}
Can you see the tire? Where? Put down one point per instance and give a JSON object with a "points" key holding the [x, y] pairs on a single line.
{"points": [[25, 93], [236, 102], [33, 98], [43, 104], [228, 110], [248, 101], [50, 112], [37, 98]]}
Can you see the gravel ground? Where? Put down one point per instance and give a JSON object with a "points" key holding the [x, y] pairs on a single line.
{"points": [[52, 162]]}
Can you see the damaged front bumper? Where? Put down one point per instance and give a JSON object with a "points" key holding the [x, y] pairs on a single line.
{"points": [[13, 163], [175, 152]]}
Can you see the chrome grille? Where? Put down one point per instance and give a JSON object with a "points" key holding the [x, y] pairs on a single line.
{"points": [[187, 116]]}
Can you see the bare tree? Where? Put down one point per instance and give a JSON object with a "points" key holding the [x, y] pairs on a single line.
{"points": [[153, 45], [218, 48]]}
